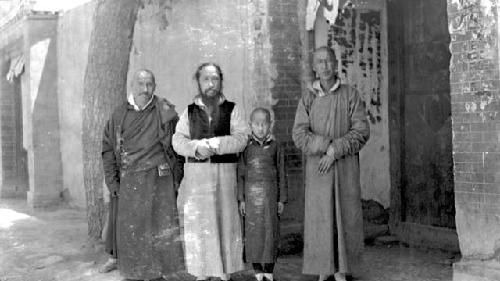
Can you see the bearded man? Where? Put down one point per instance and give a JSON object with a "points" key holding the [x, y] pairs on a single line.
{"points": [[210, 133]]}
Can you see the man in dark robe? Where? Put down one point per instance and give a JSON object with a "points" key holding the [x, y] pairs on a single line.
{"points": [[142, 171], [330, 128], [109, 232]]}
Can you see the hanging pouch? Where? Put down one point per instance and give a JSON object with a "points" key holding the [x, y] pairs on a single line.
{"points": [[164, 169]]}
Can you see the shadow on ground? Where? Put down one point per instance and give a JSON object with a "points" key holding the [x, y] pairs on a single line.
{"points": [[52, 245]]}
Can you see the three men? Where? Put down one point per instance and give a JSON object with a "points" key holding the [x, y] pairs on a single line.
{"points": [[140, 169], [210, 133], [330, 128]]}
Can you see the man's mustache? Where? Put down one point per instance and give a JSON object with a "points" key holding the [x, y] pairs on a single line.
{"points": [[210, 89]]}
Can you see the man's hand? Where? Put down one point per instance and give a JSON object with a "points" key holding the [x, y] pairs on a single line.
{"points": [[241, 207], [113, 189], [203, 151], [281, 207], [213, 143], [325, 163]]}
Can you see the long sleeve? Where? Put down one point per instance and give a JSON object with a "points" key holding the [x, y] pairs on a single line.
{"points": [[109, 161], [241, 172], [237, 140], [233, 143], [282, 178], [307, 141], [181, 140], [177, 161], [358, 134]]}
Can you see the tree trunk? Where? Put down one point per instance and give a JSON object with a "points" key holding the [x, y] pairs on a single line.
{"points": [[105, 87]]}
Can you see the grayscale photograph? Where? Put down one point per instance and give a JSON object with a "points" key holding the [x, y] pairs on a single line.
{"points": [[249, 140]]}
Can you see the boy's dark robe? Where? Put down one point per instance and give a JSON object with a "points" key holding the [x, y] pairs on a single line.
{"points": [[261, 185], [135, 144]]}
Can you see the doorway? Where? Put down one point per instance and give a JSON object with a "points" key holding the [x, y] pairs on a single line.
{"points": [[397, 54], [422, 196]]}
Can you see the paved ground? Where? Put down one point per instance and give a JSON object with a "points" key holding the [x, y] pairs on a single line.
{"points": [[51, 245]]}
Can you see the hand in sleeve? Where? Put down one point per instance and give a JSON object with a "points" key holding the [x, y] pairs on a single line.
{"points": [[241, 207], [281, 207]]}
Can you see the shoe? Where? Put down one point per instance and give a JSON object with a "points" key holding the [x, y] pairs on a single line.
{"points": [[110, 265], [340, 277], [326, 278]]}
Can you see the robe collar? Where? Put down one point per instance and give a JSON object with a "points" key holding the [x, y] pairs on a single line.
{"points": [[267, 140], [131, 101], [319, 91]]}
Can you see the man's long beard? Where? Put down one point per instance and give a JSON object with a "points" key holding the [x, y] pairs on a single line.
{"points": [[210, 101]]}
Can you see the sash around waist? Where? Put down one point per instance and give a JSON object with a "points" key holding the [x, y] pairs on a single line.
{"points": [[226, 158]]}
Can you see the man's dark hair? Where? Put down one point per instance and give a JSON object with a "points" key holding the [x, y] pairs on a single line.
{"points": [[197, 74], [205, 64], [262, 110]]}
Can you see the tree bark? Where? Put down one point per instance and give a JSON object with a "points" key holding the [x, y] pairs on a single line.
{"points": [[105, 85]]}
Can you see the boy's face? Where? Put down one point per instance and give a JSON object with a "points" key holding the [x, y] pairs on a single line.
{"points": [[260, 125]]}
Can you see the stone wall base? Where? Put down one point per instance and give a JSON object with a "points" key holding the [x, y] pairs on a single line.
{"points": [[417, 235], [36, 200], [476, 271]]}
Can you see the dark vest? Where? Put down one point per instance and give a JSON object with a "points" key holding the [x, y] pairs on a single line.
{"points": [[201, 128]]}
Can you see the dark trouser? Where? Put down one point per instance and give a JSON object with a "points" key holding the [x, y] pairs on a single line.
{"points": [[110, 240], [263, 267]]}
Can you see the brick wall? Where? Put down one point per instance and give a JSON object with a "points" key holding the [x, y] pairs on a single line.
{"points": [[14, 179], [286, 52], [476, 130], [8, 127], [14, 183]]}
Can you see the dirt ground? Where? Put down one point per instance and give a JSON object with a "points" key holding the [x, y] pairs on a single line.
{"points": [[52, 245]]}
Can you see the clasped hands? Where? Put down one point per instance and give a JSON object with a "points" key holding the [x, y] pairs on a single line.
{"points": [[206, 148], [327, 160]]}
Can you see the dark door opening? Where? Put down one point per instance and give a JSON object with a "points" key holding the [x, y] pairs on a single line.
{"points": [[423, 204]]}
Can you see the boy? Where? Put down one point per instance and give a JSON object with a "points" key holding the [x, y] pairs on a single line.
{"points": [[261, 194]]}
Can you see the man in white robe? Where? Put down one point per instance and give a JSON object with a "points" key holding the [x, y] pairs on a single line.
{"points": [[210, 134]]}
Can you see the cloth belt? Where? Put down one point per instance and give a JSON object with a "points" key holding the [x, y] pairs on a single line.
{"points": [[227, 158]]}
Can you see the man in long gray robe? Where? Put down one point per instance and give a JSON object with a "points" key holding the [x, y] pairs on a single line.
{"points": [[330, 128], [141, 169], [210, 133]]}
